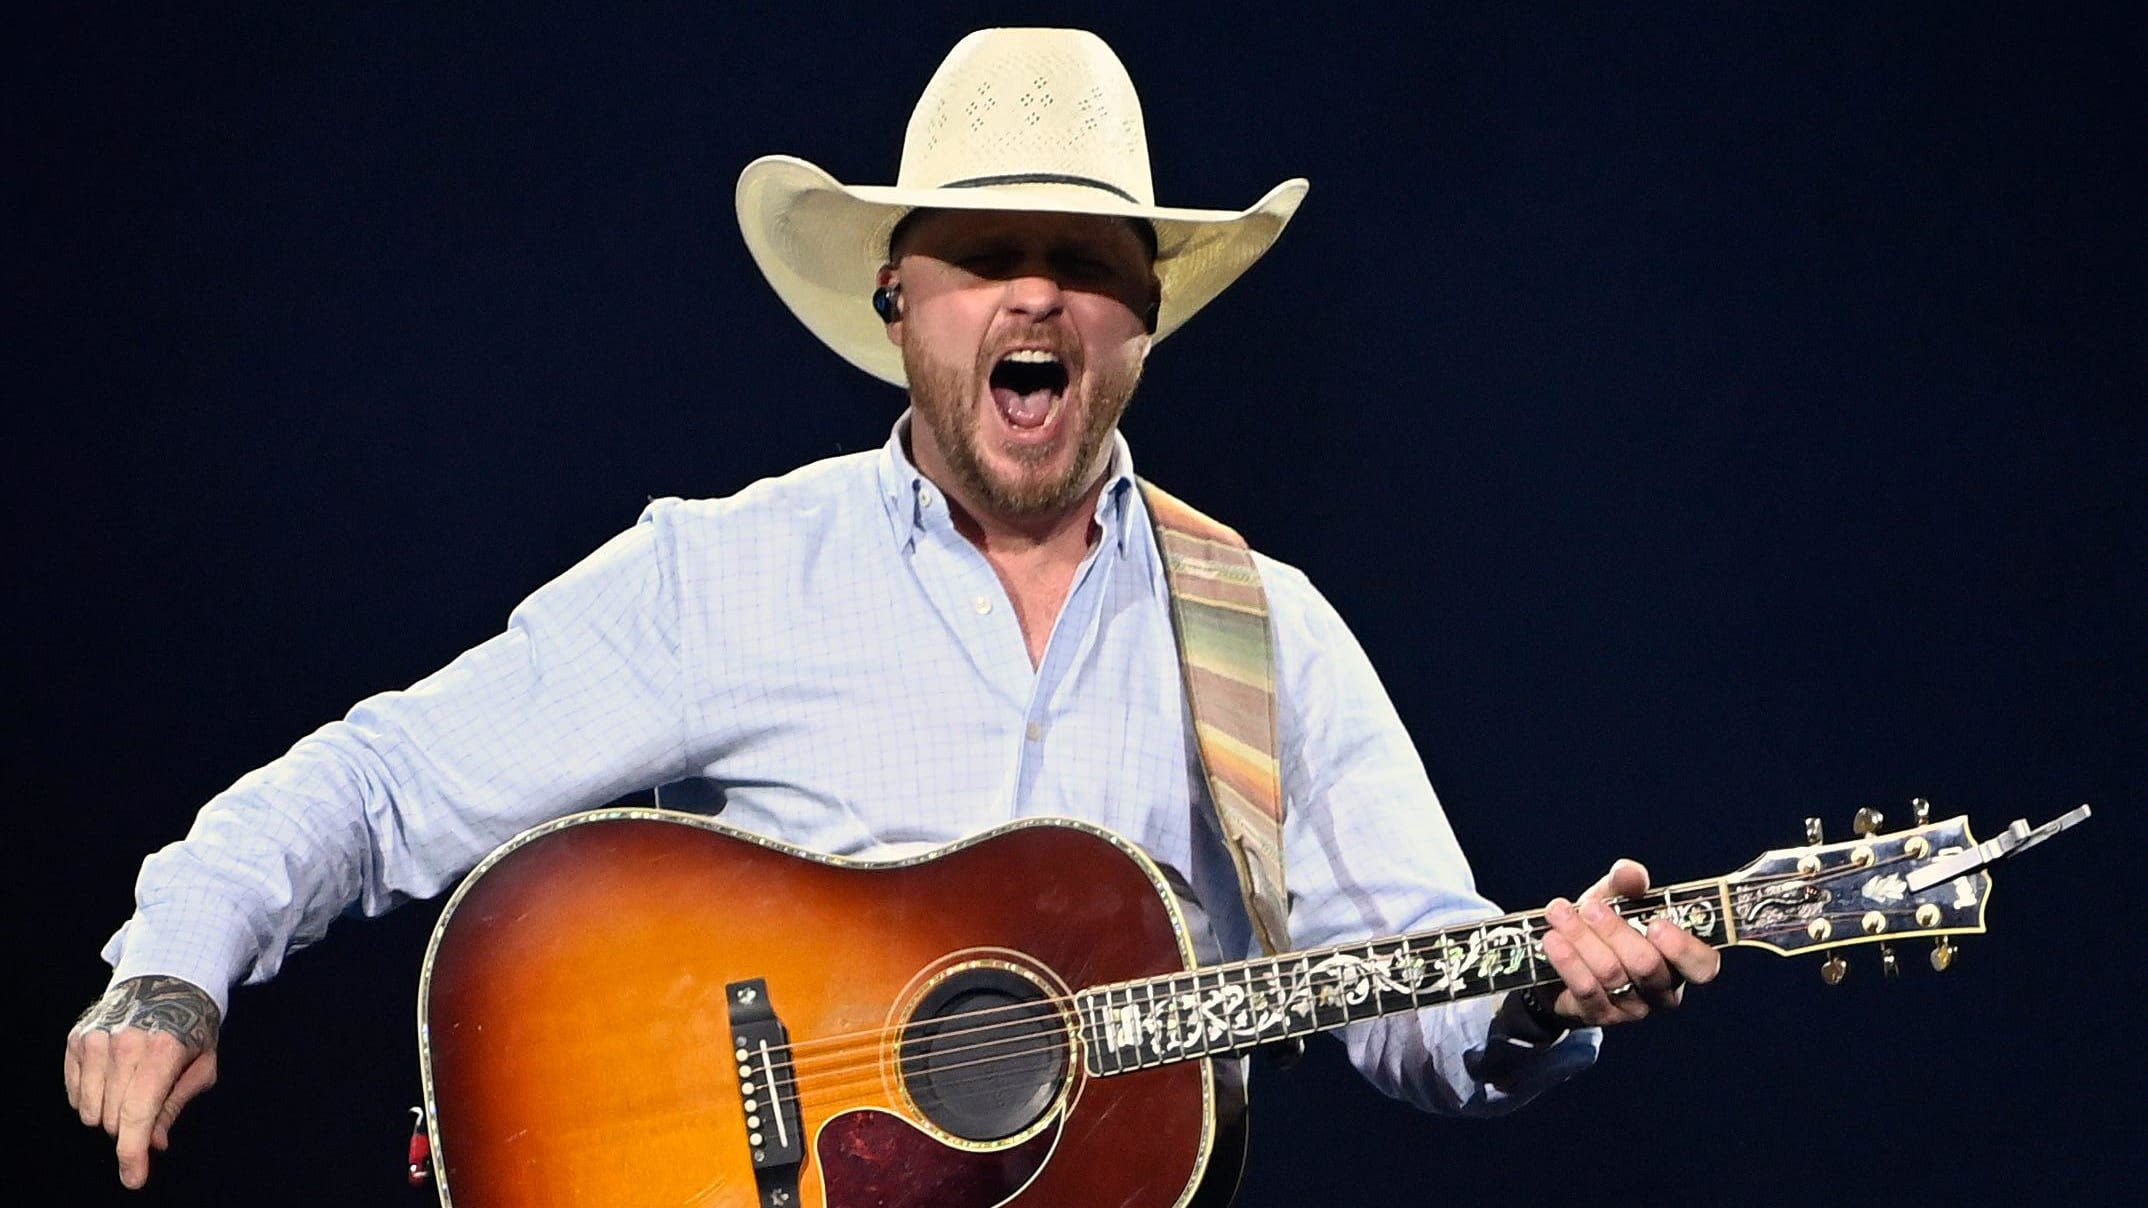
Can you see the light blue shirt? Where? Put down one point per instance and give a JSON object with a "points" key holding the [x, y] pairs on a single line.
{"points": [[825, 657]]}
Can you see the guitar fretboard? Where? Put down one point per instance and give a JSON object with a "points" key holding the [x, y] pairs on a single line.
{"points": [[1224, 1010]]}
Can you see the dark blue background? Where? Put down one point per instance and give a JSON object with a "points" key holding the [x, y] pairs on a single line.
{"points": [[1706, 416]]}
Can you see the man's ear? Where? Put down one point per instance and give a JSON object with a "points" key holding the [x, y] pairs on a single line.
{"points": [[1149, 316], [887, 300]]}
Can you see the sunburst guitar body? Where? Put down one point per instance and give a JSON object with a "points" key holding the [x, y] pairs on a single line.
{"points": [[636, 1007]]}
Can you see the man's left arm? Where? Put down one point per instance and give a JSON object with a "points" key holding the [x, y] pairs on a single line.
{"points": [[1370, 853]]}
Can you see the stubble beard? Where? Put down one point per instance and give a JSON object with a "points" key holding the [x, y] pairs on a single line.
{"points": [[945, 398]]}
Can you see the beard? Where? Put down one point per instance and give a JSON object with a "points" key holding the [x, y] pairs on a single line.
{"points": [[946, 398]]}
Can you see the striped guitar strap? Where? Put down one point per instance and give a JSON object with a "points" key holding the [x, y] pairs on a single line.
{"points": [[1220, 616]]}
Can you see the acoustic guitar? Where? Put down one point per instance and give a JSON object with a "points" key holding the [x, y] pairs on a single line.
{"points": [[637, 1007]]}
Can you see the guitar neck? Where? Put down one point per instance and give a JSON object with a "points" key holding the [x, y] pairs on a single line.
{"points": [[1227, 1010]]}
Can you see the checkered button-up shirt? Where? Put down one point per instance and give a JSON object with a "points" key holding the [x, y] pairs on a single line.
{"points": [[825, 659]]}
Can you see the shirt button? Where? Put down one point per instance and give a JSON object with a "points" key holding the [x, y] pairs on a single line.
{"points": [[1036, 731], [924, 496], [983, 605]]}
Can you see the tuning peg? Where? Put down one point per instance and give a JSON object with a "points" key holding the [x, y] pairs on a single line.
{"points": [[1834, 969], [1812, 831], [1867, 821], [1942, 954], [1887, 964], [1922, 809]]}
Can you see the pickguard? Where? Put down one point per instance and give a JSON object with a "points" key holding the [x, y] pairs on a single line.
{"points": [[874, 1159]]}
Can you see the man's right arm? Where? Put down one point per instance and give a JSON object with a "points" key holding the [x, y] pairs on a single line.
{"points": [[577, 703]]}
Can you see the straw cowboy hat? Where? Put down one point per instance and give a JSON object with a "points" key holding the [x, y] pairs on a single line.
{"points": [[1015, 119]]}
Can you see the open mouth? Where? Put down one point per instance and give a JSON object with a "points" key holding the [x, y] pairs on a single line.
{"points": [[1026, 384]]}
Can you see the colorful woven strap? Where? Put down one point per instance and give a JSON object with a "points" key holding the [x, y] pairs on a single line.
{"points": [[1220, 615]]}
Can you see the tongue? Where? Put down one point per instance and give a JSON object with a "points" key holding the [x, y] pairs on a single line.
{"points": [[1023, 410]]}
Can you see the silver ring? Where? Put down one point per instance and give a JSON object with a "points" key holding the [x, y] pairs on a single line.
{"points": [[1620, 991]]}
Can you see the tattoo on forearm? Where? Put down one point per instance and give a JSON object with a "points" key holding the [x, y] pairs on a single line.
{"points": [[157, 1004]]}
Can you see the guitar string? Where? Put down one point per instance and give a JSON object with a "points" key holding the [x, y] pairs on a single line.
{"points": [[829, 1073], [992, 1067], [1028, 1014], [832, 1075], [819, 1047], [820, 1052]]}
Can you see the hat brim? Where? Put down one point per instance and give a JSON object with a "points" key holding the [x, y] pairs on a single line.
{"points": [[820, 243]]}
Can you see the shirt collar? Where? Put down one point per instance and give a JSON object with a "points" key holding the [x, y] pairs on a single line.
{"points": [[911, 500]]}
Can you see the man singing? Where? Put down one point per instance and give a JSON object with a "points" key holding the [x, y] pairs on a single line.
{"points": [[969, 625]]}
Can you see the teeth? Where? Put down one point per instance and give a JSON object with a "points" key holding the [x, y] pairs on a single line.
{"points": [[1032, 356]]}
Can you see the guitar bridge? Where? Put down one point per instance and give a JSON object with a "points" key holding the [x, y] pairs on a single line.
{"points": [[768, 1092]]}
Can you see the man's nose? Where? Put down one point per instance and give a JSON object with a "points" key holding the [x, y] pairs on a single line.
{"points": [[1034, 293]]}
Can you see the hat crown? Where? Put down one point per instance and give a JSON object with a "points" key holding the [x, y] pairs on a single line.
{"points": [[1021, 106]]}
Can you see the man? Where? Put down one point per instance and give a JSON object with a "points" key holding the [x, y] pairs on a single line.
{"points": [[892, 649]]}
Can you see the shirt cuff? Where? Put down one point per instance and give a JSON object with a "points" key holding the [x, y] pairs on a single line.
{"points": [[1520, 1070], [205, 952]]}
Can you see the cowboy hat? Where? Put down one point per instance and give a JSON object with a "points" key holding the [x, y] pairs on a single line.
{"points": [[1014, 119]]}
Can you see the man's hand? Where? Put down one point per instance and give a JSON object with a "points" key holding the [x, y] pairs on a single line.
{"points": [[1613, 973], [138, 1056]]}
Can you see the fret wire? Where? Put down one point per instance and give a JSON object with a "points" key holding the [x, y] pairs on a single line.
{"points": [[1141, 1013], [1148, 1014], [1111, 1013], [1304, 974], [1106, 1051], [1103, 1016], [1396, 952], [1100, 1007], [1540, 969], [1211, 992], [1196, 993], [1444, 945], [1372, 989], [1272, 990], [1223, 982], [1403, 956], [1091, 1052], [1171, 990], [1533, 943], [1100, 1000], [1258, 1003]]}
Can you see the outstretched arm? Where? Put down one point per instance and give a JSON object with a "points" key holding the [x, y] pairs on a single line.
{"points": [[570, 707]]}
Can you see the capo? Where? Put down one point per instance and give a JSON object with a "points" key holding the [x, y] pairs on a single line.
{"points": [[2015, 838]]}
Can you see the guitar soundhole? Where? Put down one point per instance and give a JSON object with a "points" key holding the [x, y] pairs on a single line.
{"points": [[985, 1053]]}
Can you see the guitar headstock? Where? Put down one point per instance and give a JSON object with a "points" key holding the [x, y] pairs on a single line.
{"points": [[1831, 895]]}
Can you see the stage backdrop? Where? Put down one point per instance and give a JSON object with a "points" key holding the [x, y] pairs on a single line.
{"points": [[1706, 417]]}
